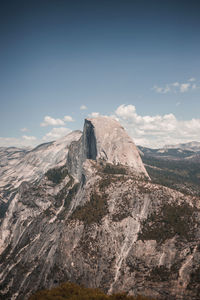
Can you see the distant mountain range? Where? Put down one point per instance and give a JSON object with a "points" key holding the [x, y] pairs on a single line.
{"points": [[189, 151], [177, 168], [193, 146]]}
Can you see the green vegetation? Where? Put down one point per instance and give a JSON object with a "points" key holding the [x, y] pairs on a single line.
{"points": [[93, 211], [71, 291], [181, 175], [56, 175], [170, 221], [63, 192], [71, 194], [113, 169], [105, 182], [121, 215], [108, 179]]}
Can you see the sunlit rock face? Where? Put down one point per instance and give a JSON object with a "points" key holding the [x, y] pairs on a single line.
{"points": [[18, 165], [104, 138], [84, 210]]}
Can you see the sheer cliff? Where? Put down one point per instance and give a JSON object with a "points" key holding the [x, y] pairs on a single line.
{"points": [[92, 216]]}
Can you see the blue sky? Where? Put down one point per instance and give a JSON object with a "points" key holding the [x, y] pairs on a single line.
{"points": [[136, 60]]}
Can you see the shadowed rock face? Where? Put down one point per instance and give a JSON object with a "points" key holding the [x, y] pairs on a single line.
{"points": [[91, 221], [89, 141]]}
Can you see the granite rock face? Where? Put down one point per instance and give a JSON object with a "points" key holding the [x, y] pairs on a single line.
{"points": [[107, 140], [97, 219], [18, 165]]}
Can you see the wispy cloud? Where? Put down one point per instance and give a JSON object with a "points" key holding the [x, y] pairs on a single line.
{"points": [[176, 87], [29, 138], [184, 87], [162, 90], [24, 129], [83, 107]]}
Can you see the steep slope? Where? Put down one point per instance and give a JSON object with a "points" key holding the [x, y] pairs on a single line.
{"points": [[21, 165], [105, 139], [18, 165], [99, 221]]}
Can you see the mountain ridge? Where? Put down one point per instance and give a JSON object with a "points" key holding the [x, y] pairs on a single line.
{"points": [[94, 220], [193, 146]]}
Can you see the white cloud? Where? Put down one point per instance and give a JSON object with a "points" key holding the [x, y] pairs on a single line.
{"points": [[157, 89], [51, 121], [162, 90], [68, 119], [166, 89], [192, 79], [156, 131], [176, 84], [94, 115], [56, 133], [175, 87], [24, 129], [83, 107], [184, 87]]}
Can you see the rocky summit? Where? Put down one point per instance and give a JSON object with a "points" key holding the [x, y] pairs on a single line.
{"points": [[105, 139], [83, 209]]}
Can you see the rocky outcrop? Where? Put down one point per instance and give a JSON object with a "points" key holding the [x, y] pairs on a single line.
{"points": [[97, 220], [18, 165], [105, 139], [22, 165]]}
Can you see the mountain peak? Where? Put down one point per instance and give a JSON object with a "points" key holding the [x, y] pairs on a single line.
{"points": [[105, 139]]}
